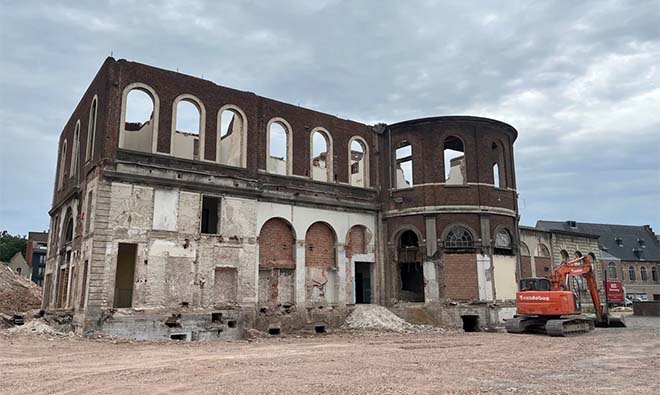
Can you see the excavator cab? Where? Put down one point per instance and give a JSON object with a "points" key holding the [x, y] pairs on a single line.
{"points": [[535, 284]]}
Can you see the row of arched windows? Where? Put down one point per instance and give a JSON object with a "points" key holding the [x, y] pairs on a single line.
{"points": [[75, 147], [455, 164], [541, 250], [139, 131], [632, 273]]}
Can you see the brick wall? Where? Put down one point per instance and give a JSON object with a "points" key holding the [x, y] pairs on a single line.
{"points": [[276, 245], [525, 266], [460, 276], [357, 241], [541, 264], [320, 246]]}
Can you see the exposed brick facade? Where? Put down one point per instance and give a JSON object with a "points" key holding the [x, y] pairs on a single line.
{"points": [[276, 245], [320, 246], [460, 282]]}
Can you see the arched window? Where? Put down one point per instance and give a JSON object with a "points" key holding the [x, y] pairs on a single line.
{"points": [[139, 119], [524, 250], [279, 147], [91, 129], [321, 155], [564, 255], [643, 275], [68, 226], [631, 273], [499, 176], [188, 122], [542, 251], [60, 177], [232, 136], [459, 237], [73, 171], [611, 267], [654, 273], [404, 166], [578, 254], [358, 163], [454, 161], [357, 240]]}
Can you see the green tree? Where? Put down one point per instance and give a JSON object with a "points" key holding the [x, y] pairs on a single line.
{"points": [[10, 245]]}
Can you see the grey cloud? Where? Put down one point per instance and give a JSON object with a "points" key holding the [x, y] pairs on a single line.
{"points": [[576, 79]]}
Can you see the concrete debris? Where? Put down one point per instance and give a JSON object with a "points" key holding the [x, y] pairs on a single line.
{"points": [[17, 293], [379, 318], [36, 327]]}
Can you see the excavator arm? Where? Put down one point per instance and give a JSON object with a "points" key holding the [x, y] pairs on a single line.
{"points": [[581, 266]]}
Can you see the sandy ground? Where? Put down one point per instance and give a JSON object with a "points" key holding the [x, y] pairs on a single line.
{"points": [[606, 361]]}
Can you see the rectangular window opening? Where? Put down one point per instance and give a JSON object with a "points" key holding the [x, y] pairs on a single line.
{"points": [[210, 217]]}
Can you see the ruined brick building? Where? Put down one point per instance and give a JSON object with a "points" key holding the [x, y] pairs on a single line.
{"points": [[269, 215]]}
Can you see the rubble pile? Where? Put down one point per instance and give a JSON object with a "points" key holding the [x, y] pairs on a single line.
{"points": [[379, 318], [36, 327], [17, 293]]}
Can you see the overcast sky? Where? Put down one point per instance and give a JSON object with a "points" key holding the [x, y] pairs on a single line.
{"points": [[578, 80]]}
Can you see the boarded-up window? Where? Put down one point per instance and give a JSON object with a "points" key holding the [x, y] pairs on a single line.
{"points": [[165, 208], [225, 284]]}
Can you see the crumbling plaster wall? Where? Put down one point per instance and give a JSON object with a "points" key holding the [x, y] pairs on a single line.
{"points": [[179, 266], [301, 218]]}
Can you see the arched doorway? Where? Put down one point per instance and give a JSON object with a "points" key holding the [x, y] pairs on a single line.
{"points": [[411, 271]]}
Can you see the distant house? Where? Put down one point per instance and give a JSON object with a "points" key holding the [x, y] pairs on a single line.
{"points": [[35, 255], [18, 265], [629, 253]]}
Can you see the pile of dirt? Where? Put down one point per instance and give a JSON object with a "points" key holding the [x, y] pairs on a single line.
{"points": [[17, 293], [36, 327], [379, 318]]}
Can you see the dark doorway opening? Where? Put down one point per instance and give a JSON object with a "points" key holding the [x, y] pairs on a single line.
{"points": [[470, 323], [274, 331], [411, 270], [412, 282], [362, 282], [124, 277]]}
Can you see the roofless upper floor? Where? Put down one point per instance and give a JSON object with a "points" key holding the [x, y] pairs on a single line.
{"points": [[132, 110]]}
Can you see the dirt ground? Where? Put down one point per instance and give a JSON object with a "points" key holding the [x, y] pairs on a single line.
{"points": [[606, 361]]}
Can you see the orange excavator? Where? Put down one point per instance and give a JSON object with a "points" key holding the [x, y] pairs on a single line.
{"points": [[548, 305]]}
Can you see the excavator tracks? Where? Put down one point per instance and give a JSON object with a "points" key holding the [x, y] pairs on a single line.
{"points": [[569, 326]]}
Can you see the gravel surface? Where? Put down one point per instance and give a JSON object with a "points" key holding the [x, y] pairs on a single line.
{"points": [[606, 361]]}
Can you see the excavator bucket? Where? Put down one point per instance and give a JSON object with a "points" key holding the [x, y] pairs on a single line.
{"points": [[611, 322]]}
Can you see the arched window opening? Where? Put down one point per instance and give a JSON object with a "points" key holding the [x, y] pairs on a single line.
{"points": [[499, 176], [404, 166], [88, 213], [542, 251], [321, 156], [277, 243], [91, 130], [357, 240], [454, 161], [231, 136], [187, 134], [68, 227], [631, 273], [524, 250], [278, 149], [654, 273], [564, 255], [60, 177], [139, 124], [321, 278], [643, 274], [611, 271], [75, 151], [578, 254], [358, 161], [459, 238], [411, 271]]}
